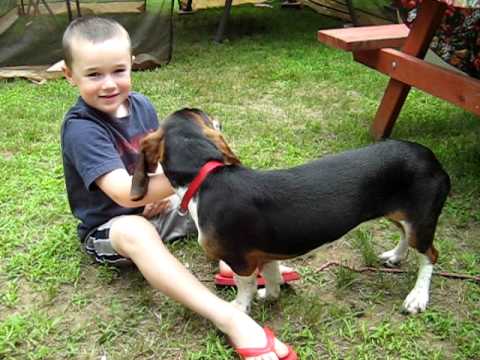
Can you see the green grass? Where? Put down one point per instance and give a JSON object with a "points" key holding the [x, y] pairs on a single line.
{"points": [[283, 99]]}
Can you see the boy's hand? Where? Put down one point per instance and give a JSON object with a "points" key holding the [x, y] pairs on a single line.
{"points": [[153, 209]]}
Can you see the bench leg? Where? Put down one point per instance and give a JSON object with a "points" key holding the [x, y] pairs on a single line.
{"points": [[428, 19], [389, 108]]}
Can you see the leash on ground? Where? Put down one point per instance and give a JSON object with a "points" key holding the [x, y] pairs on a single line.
{"points": [[396, 271]]}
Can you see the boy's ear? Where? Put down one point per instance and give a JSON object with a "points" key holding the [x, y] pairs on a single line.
{"points": [[67, 72]]}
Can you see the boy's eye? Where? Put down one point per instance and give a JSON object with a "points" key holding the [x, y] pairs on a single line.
{"points": [[93, 75]]}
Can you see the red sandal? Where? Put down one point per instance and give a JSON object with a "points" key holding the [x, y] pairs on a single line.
{"points": [[222, 280], [246, 352]]}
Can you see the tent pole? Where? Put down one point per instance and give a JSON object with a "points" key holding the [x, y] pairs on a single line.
{"points": [[223, 21], [351, 10], [69, 10], [77, 2]]}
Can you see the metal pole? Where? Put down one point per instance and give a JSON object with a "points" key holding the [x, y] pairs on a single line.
{"points": [[69, 10], [223, 21]]}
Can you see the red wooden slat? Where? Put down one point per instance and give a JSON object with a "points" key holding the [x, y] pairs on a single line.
{"points": [[454, 87], [365, 37]]}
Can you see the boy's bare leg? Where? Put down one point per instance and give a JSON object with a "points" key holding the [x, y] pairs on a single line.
{"points": [[136, 238], [225, 270]]}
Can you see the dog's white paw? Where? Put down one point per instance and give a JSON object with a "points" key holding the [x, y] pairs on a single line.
{"points": [[265, 295], [240, 305], [416, 301], [391, 258], [262, 294]]}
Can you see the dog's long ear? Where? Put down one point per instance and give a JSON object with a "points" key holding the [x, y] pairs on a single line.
{"points": [[216, 137], [151, 152], [153, 147], [140, 179]]}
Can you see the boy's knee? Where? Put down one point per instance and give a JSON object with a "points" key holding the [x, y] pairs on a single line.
{"points": [[132, 233]]}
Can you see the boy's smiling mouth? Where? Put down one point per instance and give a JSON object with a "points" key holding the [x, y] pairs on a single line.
{"points": [[109, 96]]}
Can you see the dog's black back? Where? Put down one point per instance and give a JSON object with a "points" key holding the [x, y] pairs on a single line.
{"points": [[295, 210]]}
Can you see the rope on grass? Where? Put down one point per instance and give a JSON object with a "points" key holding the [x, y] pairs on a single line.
{"points": [[396, 271]]}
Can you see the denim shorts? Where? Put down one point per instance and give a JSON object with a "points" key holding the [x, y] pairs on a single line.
{"points": [[169, 225]]}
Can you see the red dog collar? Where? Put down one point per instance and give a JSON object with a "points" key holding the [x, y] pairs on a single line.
{"points": [[196, 183]]}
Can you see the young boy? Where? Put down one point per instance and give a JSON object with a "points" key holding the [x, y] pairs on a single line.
{"points": [[100, 137]]}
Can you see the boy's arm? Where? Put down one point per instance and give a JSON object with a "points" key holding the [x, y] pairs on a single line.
{"points": [[116, 184]]}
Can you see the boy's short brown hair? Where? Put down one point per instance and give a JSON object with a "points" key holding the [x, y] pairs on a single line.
{"points": [[91, 28]]}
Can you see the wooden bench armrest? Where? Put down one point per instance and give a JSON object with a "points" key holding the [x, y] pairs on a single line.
{"points": [[365, 37]]}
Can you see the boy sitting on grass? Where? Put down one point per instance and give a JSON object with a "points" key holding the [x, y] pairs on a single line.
{"points": [[100, 138]]}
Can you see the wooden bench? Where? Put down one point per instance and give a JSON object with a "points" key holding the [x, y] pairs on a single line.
{"points": [[398, 52]]}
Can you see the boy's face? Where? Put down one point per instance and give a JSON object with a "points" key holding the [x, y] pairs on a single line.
{"points": [[102, 73]]}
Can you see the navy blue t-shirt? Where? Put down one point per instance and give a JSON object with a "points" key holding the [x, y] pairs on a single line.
{"points": [[94, 144]]}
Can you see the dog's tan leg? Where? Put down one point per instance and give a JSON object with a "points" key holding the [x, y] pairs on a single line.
{"points": [[393, 257], [417, 299], [247, 287], [273, 280]]}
